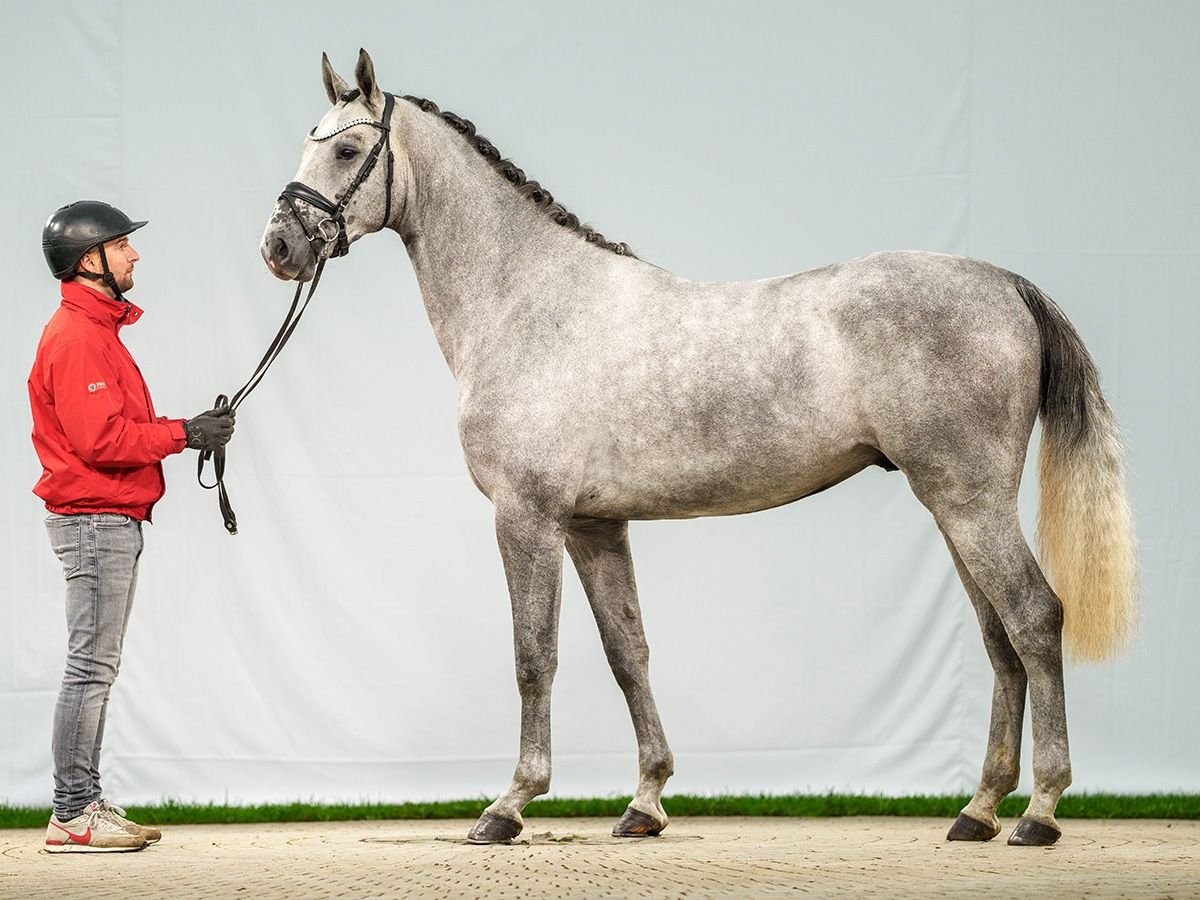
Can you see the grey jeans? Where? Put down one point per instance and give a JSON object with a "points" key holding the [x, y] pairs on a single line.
{"points": [[99, 554]]}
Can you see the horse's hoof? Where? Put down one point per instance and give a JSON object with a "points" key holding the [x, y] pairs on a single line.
{"points": [[1032, 833], [966, 828], [494, 829], [637, 824]]}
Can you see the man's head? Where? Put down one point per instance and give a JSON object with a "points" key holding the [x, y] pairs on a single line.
{"points": [[120, 257], [90, 239]]}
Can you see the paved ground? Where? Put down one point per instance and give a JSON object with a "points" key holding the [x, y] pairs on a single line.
{"points": [[699, 857]]}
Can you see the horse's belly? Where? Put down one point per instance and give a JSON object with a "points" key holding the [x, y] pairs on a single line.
{"points": [[688, 488]]}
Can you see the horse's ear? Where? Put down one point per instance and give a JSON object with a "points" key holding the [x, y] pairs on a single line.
{"points": [[335, 85], [364, 74]]}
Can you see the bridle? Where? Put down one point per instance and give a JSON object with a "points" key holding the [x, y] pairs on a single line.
{"points": [[330, 230], [297, 190]]}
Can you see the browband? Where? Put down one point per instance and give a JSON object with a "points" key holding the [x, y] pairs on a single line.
{"points": [[343, 127]]}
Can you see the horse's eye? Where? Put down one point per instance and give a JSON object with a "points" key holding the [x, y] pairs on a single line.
{"points": [[346, 152]]}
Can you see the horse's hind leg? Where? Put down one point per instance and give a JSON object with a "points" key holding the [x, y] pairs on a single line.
{"points": [[987, 536], [531, 544], [600, 551], [1001, 764]]}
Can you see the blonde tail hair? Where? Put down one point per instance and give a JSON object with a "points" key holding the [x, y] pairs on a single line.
{"points": [[1085, 535]]}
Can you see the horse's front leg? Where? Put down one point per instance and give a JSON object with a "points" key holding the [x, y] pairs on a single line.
{"points": [[600, 551], [531, 545]]}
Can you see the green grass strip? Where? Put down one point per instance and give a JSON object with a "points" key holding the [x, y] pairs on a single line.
{"points": [[1072, 806]]}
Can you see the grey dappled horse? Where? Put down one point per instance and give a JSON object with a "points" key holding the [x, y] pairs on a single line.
{"points": [[595, 388]]}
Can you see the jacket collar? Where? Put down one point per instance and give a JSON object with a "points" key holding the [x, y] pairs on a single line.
{"points": [[96, 306]]}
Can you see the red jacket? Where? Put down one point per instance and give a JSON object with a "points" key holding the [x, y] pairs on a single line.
{"points": [[94, 426]]}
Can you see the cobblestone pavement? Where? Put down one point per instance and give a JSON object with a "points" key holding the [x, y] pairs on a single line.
{"points": [[696, 857]]}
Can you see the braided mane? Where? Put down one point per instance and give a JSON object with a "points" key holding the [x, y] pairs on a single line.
{"points": [[537, 194]]}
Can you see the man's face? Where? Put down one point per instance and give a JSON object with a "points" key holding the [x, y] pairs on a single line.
{"points": [[121, 257]]}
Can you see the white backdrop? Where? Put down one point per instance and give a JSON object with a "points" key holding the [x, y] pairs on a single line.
{"points": [[353, 642]]}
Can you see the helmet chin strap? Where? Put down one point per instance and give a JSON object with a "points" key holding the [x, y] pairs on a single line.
{"points": [[108, 278]]}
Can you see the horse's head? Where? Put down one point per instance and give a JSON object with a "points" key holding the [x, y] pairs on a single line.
{"points": [[343, 188]]}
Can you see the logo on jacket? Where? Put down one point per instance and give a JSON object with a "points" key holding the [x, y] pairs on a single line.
{"points": [[97, 386]]}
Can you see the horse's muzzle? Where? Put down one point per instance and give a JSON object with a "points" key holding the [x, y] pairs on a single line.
{"points": [[286, 252]]}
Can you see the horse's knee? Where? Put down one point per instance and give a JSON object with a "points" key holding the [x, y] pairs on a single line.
{"points": [[630, 666], [535, 675]]}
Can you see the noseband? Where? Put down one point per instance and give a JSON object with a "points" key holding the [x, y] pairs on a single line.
{"points": [[332, 228]]}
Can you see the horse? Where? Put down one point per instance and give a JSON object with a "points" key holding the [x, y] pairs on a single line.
{"points": [[596, 388]]}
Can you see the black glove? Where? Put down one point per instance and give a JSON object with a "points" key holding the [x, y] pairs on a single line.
{"points": [[210, 430]]}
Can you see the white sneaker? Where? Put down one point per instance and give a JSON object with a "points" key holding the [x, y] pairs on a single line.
{"points": [[116, 814], [90, 832]]}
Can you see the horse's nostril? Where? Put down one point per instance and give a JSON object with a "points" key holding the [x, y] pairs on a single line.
{"points": [[281, 249]]}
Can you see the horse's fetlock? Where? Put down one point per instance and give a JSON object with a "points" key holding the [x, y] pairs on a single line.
{"points": [[662, 768], [534, 779], [1002, 779], [657, 765], [1056, 777]]}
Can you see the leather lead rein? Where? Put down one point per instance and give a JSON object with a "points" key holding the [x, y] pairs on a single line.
{"points": [[293, 191]]}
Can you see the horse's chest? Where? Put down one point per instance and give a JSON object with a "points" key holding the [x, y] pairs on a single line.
{"points": [[511, 437]]}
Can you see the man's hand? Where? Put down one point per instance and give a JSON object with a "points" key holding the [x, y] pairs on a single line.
{"points": [[210, 430]]}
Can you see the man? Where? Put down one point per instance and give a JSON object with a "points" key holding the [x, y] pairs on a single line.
{"points": [[101, 447]]}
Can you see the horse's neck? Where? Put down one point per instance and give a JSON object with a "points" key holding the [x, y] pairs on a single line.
{"points": [[476, 245]]}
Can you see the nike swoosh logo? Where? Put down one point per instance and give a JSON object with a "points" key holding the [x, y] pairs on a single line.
{"points": [[73, 838]]}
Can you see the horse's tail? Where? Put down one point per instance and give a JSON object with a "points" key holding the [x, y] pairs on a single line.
{"points": [[1085, 527]]}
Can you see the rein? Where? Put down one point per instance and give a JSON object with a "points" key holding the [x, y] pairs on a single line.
{"points": [[319, 241]]}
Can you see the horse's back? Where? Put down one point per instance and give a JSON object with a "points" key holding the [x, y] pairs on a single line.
{"points": [[668, 398]]}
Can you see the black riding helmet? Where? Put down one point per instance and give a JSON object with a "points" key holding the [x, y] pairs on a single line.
{"points": [[75, 229]]}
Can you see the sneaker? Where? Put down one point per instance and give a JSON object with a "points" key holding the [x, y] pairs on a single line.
{"points": [[90, 832], [116, 814]]}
